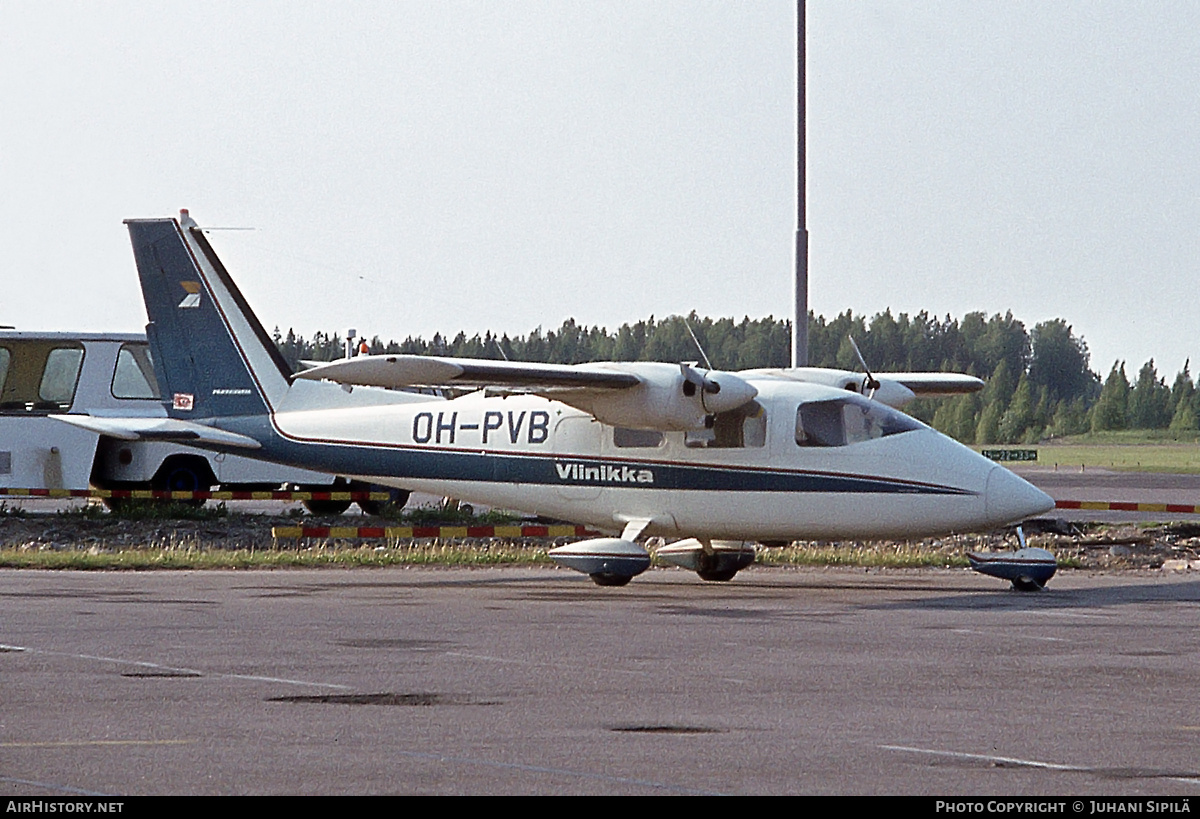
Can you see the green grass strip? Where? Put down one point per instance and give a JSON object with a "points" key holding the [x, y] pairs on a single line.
{"points": [[340, 554]]}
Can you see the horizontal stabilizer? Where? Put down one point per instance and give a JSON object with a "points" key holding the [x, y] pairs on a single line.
{"points": [[396, 371], [158, 429]]}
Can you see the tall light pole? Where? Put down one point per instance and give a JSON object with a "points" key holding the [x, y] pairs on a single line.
{"points": [[800, 320]]}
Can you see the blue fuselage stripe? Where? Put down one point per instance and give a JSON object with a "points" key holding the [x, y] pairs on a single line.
{"points": [[552, 469]]}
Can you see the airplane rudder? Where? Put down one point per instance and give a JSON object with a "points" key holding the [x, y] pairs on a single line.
{"points": [[202, 372]]}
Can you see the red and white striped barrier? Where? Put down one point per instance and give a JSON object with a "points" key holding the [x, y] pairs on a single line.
{"points": [[156, 494], [1123, 506]]}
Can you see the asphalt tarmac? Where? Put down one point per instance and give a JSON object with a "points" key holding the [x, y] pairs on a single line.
{"points": [[535, 681], [1109, 485]]}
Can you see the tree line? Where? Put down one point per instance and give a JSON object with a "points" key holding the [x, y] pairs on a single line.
{"points": [[1039, 383]]}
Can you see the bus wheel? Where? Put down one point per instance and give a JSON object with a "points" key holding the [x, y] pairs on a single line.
{"points": [[183, 475], [394, 503]]}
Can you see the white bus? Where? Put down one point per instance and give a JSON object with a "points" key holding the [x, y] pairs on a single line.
{"points": [[111, 374]]}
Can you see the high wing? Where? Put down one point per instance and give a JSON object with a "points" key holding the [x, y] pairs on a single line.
{"points": [[894, 389], [428, 371], [396, 371], [934, 385], [159, 429], [637, 395], [598, 388]]}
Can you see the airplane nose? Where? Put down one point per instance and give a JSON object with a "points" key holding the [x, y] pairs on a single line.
{"points": [[1009, 498]]}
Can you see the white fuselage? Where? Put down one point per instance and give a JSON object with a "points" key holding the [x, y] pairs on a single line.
{"points": [[528, 453], [758, 455]]}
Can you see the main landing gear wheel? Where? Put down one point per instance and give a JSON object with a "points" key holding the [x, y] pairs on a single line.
{"points": [[611, 579], [717, 561], [718, 577], [330, 506], [326, 507], [609, 561]]}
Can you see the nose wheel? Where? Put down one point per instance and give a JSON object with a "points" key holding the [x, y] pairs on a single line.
{"points": [[1028, 568]]}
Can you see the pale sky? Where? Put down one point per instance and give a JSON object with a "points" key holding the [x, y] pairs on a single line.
{"points": [[412, 167]]}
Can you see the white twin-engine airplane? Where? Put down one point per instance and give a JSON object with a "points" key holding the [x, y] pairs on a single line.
{"points": [[710, 460]]}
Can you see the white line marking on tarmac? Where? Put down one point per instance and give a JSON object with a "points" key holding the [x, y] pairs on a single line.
{"points": [[1027, 763], [1011, 760], [50, 786], [175, 669]]}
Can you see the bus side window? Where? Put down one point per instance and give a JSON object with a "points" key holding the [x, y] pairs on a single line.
{"points": [[134, 374], [57, 388]]}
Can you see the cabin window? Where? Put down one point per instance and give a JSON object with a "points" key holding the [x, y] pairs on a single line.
{"points": [[5, 357], [57, 388], [849, 420], [820, 424], [134, 375], [623, 437], [743, 427]]}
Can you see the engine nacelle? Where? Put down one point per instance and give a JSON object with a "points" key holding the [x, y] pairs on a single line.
{"points": [[670, 398]]}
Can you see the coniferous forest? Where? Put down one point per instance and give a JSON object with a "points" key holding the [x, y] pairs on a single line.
{"points": [[1039, 383]]}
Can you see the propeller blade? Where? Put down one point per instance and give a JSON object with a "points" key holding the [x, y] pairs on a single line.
{"points": [[870, 382]]}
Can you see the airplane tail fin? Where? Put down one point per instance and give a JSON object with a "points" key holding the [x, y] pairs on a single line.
{"points": [[212, 357]]}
